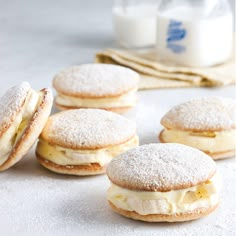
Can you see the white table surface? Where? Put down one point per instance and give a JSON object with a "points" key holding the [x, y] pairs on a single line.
{"points": [[37, 39]]}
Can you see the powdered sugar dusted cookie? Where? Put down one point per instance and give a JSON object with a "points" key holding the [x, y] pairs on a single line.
{"points": [[108, 87], [208, 124], [163, 182], [23, 114], [82, 142]]}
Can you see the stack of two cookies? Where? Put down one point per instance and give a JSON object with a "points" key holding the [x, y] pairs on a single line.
{"points": [[86, 137], [175, 182]]}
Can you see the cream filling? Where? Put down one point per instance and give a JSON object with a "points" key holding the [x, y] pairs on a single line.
{"points": [[211, 142], [168, 203], [65, 156], [127, 100], [14, 132]]}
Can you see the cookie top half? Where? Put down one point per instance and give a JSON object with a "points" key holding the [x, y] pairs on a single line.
{"points": [[88, 129], [95, 81], [204, 114], [11, 104], [161, 167]]}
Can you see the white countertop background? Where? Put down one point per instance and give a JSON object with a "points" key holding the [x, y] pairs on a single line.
{"points": [[37, 39]]}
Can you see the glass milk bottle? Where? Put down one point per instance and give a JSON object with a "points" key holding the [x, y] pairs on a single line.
{"points": [[134, 22], [195, 33]]}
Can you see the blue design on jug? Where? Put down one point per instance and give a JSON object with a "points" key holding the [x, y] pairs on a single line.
{"points": [[175, 33]]}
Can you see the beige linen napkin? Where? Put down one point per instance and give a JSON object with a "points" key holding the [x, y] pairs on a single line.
{"points": [[156, 74]]}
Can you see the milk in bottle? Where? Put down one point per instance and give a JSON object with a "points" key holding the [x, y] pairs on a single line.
{"points": [[194, 33]]}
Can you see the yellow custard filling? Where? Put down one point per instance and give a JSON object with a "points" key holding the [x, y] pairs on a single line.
{"points": [[211, 142], [171, 202], [65, 156], [127, 100]]}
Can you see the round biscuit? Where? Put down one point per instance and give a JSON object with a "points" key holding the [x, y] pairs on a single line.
{"points": [[95, 81], [11, 103], [161, 167], [87, 129], [204, 114], [81, 170], [193, 215]]}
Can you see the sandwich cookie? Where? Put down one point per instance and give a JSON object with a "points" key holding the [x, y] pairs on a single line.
{"points": [[23, 114], [102, 86], [83, 141], [208, 124], [163, 182]]}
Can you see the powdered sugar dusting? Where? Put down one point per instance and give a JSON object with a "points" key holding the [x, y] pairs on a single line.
{"points": [[208, 113], [88, 128], [11, 103], [161, 167], [95, 80]]}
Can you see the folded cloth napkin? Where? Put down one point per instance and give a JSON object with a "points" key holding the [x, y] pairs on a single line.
{"points": [[155, 74]]}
